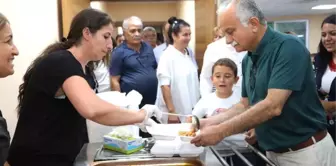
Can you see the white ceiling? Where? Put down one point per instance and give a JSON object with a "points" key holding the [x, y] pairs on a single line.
{"points": [[272, 8]]}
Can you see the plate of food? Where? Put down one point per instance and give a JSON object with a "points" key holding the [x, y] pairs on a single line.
{"points": [[187, 135], [170, 131]]}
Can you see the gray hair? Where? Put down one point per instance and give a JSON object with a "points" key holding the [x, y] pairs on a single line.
{"points": [[245, 10], [131, 20], [3, 21], [150, 29]]}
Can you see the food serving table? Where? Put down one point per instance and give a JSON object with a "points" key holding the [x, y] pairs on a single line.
{"points": [[93, 154]]}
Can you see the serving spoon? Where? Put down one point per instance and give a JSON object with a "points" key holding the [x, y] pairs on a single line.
{"points": [[194, 119]]}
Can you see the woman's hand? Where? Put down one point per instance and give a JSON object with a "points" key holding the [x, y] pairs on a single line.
{"points": [[150, 122], [151, 110], [147, 112]]}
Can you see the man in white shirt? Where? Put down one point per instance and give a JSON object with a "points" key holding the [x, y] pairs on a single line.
{"points": [[216, 50]]}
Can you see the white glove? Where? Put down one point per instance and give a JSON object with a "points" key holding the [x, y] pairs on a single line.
{"points": [[142, 126], [151, 110]]}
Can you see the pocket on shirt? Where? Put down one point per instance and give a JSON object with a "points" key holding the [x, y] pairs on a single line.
{"points": [[146, 61]]}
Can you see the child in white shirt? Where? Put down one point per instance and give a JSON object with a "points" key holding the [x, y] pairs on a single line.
{"points": [[224, 77]]}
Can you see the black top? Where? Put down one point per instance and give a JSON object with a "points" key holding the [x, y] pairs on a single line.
{"points": [[49, 131], [4, 140], [321, 64]]}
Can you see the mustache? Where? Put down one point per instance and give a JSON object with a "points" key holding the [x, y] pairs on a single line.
{"points": [[234, 43], [136, 37]]}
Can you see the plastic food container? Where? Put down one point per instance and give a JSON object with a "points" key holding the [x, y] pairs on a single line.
{"points": [[169, 131], [167, 148]]}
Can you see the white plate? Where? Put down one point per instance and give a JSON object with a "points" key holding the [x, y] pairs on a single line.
{"points": [[168, 131]]}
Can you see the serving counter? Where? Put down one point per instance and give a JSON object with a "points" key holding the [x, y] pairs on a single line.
{"points": [[93, 154]]}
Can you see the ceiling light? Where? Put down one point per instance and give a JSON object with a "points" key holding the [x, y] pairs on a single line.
{"points": [[323, 7]]}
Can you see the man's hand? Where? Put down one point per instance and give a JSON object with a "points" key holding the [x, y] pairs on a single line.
{"points": [[250, 137], [221, 115], [188, 119], [204, 123], [209, 135]]}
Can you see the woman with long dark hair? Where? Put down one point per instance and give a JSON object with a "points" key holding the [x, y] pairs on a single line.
{"points": [[57, 95], [325, 64]]}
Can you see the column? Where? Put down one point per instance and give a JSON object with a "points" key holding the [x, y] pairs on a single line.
{"points": [[69, 8], [205, 21]]}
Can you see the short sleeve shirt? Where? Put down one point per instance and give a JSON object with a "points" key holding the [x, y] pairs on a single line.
{"points": [[49, 131], [209, 104], [282, 62], [137, 70]]}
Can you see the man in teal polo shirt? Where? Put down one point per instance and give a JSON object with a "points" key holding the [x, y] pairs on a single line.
{"points": [[279, 98]]}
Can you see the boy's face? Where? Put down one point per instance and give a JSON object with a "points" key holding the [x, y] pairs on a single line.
{"points": [[223, 79]]}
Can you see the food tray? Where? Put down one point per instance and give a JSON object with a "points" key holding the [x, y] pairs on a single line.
{"points": [[154, 162]]}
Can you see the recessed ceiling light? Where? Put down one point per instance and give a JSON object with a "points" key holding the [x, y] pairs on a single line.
{"points": [[323, 7]]}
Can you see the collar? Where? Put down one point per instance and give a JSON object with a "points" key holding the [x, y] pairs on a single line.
{"points": [[142, 47], [268, 36], [163, 45], [171, 47]]}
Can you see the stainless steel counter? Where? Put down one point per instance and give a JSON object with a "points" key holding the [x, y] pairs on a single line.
{"points": [[212, 156], [88, 152]]}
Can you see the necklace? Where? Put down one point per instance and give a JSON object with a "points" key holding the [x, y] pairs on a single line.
{"points": [[332, 65]]}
